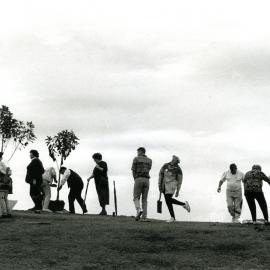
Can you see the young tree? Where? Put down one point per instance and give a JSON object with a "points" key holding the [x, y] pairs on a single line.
{"points": [[60, 146], [14, 134]]}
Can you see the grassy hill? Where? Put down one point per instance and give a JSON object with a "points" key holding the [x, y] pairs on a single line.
{"points": [[63, 241]]}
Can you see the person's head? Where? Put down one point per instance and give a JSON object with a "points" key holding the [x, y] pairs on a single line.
{"points": [[175, 159], [34, 154], [1, 155], [256, 167], [233, 168], [141, 151], [62, 170], [97, 157]]}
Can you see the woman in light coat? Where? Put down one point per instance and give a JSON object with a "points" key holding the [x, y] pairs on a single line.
{"points": [[170, 180]]}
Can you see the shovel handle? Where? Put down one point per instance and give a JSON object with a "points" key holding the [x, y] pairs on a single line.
{"points": [[159, 196]]}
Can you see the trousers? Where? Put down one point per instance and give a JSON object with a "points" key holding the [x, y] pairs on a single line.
{"points": [[4, 202], [141, 188], [234, 203], [170, 201], [75, 193], [47, 194], [259, 196]]}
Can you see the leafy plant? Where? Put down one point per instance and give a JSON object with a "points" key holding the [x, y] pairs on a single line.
{"points": [[14, 132], [60, 146]]}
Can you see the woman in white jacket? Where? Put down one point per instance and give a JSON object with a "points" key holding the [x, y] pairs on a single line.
{"points": [[170, 180]]}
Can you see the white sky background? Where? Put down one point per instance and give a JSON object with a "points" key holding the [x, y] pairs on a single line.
{"points": [[178, 77]]}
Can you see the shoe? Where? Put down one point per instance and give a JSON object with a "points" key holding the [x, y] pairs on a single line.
{"points": [[32, 209], [37, 211], [170, 220], [4, 216], [103, 213], [46, 210], [144, 220], [266, 222], [85, 211], [186, 206], [138, 216], [72, 213]]}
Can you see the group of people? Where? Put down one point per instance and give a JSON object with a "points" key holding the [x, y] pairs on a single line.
{"points": [[170, 181], [253, 183], [41, 180]]}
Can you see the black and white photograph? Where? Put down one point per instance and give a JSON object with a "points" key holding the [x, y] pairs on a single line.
{"points": [[134, 134]]}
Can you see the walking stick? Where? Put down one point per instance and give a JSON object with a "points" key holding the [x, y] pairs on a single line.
{"points": [[115, 199], [85, 195]]}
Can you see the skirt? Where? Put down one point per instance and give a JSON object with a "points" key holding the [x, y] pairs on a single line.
{"points": [[102, 187]]}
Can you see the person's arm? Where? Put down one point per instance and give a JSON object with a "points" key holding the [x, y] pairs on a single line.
{"points": [[222, 180], [65, 177], [53, 172], [160, 178], [265, 178], [91, 177], [102, 166], [133, 168], [3, 168], [179, 182]]}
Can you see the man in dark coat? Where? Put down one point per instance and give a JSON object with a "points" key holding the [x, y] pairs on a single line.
{"points": [[34, 179], [75, 183]]}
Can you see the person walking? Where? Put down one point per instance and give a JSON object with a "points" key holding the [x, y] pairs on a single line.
{"points": [[5, 186], [141, 167], [48, 177], [234, 180], [100, 174], [253, 182], [75, 183], [33, 177], [170, 181]]}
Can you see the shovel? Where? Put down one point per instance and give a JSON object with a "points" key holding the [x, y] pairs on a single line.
{"points": [[85, 193], [159, 204]]}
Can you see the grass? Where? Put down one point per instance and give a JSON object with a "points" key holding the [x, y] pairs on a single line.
{"points": [[62, 241]]}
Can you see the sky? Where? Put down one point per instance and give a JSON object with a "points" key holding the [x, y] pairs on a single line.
{"points": [[188, 78]]}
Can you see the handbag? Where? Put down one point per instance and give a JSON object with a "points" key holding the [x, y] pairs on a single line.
{"points": [[159, 204]]}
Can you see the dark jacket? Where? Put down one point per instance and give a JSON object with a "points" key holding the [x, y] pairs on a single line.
{"points": [[34, 172], [74, 180]]}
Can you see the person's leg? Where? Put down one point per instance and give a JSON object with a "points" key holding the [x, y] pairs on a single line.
{"points": [[237, 206], [174, 201], [3, 204], [6, 203], [145, 190], [251, 204], [230, 204], [263, 204], [80, 199], [71, 199], [137, 191], [168, 200], [47, 196], [35, 193], [39, 198]]}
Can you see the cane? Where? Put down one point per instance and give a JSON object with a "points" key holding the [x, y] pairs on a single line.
{"points": [[85, 194], [115, 198]]}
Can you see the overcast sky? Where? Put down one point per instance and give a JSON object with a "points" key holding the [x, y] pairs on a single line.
{"points": [[188, 78]]}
